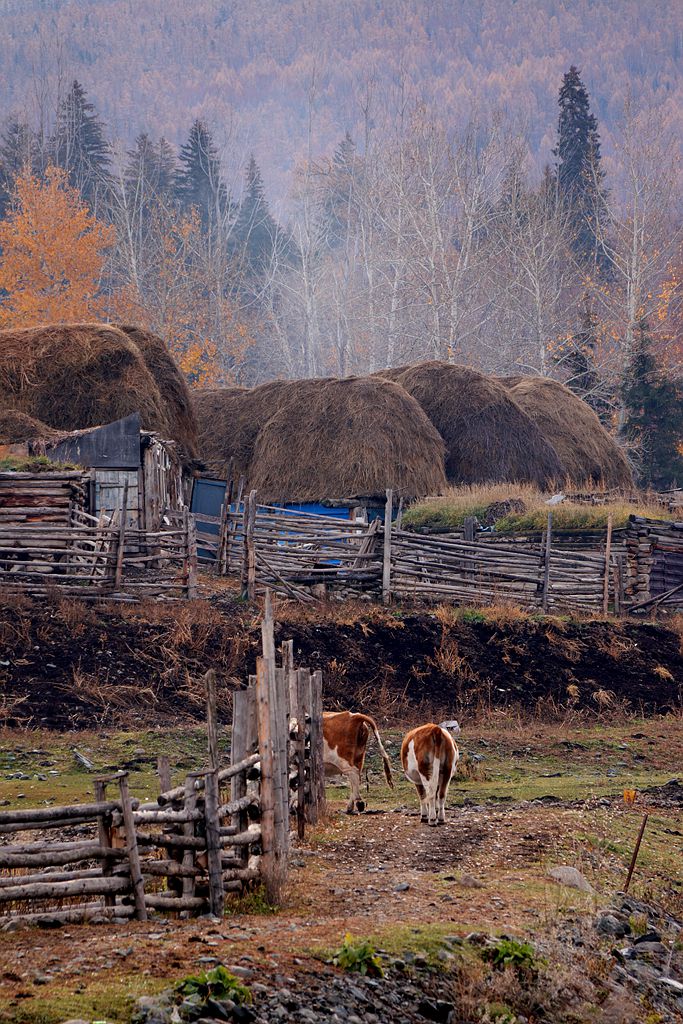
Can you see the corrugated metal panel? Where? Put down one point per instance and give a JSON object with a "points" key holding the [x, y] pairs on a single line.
{"points": [[115, 444]]}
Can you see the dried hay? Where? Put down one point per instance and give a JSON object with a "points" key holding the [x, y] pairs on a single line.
{"points": [[16, 428], [73, 376], [171, 383], [589, 454], [345, 438], [488, 437], [229, 420]]}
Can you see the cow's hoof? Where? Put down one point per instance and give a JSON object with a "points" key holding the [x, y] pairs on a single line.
{"points": [[360, 806], [350, 810], [423, 820], [441, 821], [433, 823]]}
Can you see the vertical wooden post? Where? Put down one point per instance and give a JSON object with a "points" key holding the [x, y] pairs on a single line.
{"points": [[251, 548], [399, 515], [213, 843], [211, 719], [386, 562], [191, 540], [272, 859], [305, 686], [132, 849], [164, 773], [608, 553], [188, 859], [546, 562], [281, 734], [287, 651], [118, 578], [301, 756], [317, 749], [468, 528], [104, 837], [244, 742]]}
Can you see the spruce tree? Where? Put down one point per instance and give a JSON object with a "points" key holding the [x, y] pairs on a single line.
{"points": [[150, 170], [653, 404], [257, 235], [577, 359], [198, 181], [80, 146], [579, 173], [18, 150], [340, 187]]}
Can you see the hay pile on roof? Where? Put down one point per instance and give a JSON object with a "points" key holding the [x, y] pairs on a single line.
{"points": [[17, 428], [488, 437], [588, 453], [346, 438], [73, 376], [171, 383]]}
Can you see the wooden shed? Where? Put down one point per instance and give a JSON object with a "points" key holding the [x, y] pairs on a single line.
{"points": [[42, 497]]}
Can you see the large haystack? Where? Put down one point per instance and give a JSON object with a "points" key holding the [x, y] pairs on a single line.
{"points": [[346, 438], [17, 428], [488, 437], [171, 383], [229, 420], [73, 376], [588, 453]]}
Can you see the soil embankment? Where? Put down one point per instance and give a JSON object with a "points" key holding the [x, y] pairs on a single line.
{"points": [[69, 665]]}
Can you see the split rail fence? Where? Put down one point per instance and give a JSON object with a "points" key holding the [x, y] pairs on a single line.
{"points": [[223, 829], [305, 557]]}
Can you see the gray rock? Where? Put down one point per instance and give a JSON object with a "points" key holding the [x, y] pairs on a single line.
{"points": [[657, 948], [470, 882], [608, 924], [674, 986], [241, 972], [570, 877], [402, 887]]}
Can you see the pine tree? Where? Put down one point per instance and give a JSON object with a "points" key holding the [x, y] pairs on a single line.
{"points": [[257, 234], [577, 359], [17, 154], [653, 405], [198, 182], [340, 187], [80, 146], [150, 170], [579, 173]]}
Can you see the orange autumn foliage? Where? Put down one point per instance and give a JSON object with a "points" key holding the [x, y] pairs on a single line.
{"points": [[52, 251], [178, 300]]}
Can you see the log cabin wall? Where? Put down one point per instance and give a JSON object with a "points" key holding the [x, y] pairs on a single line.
{"points": [[42, 497]]}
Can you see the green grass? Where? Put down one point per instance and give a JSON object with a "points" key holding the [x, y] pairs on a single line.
{"points": [[33, 464], [451, 509], [110, 1000]]}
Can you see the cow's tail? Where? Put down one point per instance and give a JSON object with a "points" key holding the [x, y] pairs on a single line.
{"points": [[385, 757]]}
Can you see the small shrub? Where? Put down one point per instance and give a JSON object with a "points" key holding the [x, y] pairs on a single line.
{"points": [[511, 953], [498, 1013], [217, 983], [358, 955]]}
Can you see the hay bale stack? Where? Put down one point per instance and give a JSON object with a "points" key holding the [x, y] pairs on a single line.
{"points": [[74, 376], [171, 383], [229, 420], [488, 437], [588, 453], [346, 438], [17, 428]]}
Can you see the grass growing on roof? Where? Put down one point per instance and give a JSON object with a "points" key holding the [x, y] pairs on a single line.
{"points": [[452, 508], [33, 464]]}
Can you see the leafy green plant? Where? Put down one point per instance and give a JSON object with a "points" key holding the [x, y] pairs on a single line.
{"points": [[358, 955], [218, 983], [498, 1013], [511, 953]]}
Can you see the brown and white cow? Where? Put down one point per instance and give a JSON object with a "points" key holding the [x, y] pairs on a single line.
{"points": [[345, 739], [429, 756]]}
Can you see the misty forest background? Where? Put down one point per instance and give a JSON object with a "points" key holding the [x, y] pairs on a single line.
{"points": [[300, 189]]}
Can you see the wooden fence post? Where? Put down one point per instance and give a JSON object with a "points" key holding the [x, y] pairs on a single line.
{"points": [[132, 849], [468, 528], [191, 541], [104, 836], [164, 773], [188, 858], [118, 577], [317, 748], [608, 553], [211, 719], [300, 712], [386, 562], [546, 562], [244, 741], [213, 843]]}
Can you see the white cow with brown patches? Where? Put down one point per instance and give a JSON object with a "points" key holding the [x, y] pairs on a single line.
{"points": [[429, 756], [345, 740]]}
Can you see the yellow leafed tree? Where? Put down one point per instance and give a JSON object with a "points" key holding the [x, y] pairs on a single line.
{"points": [[52, 251]]}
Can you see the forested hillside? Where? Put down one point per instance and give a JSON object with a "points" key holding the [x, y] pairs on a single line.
{"points": [[247, 65]]}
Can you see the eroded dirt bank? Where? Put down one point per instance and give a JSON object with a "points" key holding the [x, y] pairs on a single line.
{"points": [[69, 665]]}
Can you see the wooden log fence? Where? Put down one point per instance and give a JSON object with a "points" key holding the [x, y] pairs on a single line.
{"points": [[224, 828]]}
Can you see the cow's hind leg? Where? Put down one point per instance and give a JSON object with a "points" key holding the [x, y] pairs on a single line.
{"points": [[432, 788], [421, 792], [441, 798], [355, 803]]}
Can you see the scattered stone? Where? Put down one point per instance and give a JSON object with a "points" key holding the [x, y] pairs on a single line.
{"points": [[672, 984], [470, 882], [650, 936], [609, 924], [656, 948], [402, 887], [570, 877]]}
